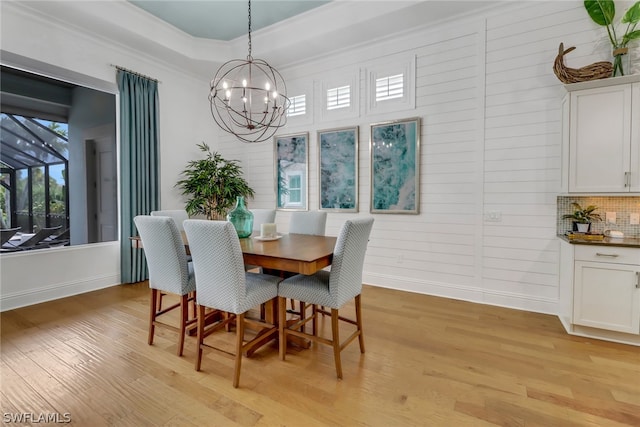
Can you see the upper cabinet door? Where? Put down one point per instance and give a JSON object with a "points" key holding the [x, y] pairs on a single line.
{"points": [[600, 140]]}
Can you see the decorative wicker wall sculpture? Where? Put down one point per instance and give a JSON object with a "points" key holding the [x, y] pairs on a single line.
{"points": [[595, 71]]}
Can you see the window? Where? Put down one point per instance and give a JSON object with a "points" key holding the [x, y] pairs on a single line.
{"points": [[391, 84], [298, 106], [58, 157], [389, 87], [34, 169], [338, 94], [338, 97], [295, 188]]}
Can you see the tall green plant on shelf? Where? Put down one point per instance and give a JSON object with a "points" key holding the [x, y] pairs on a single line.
{"points": [[603, 12], [212, 185]]}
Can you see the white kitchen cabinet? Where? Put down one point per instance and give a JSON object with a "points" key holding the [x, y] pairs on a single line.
{"points": [[603, 136], [606, 292]]}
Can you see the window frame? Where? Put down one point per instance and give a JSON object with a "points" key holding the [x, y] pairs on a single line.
{"points": [[387, 67]]}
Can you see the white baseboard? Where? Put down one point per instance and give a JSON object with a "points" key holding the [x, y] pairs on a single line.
{"points": [[56, 291], [465, 293]]}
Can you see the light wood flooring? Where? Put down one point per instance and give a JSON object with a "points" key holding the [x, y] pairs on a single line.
{"points": [[429, 362]]}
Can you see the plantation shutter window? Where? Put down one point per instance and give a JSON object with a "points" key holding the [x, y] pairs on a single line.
{"points": [[339, 97], [390, 87], [298, 106]]}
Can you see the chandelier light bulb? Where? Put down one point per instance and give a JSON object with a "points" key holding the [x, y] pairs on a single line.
{"points": [[267, 86], [225, 86], [244, 82]]}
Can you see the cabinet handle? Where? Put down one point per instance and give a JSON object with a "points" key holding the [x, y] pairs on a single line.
{"points": [[627, 180], [607, 255], [637, 280]]}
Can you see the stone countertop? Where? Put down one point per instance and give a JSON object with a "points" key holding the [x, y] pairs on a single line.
{"points": [[628, 242]]}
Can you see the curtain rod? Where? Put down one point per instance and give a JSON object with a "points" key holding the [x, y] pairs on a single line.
{"points": [[117, 67]]}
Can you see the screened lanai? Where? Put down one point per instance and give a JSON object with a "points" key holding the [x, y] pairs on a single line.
{"points": [[34, 165]]}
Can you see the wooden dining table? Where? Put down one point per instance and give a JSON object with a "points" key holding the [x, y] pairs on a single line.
{"points": [[293, 253]]}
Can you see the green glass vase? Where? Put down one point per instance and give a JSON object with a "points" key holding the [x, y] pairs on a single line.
{"points": [[241, 218]]}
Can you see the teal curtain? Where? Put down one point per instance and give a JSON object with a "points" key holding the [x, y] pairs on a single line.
{"points": [[139, 163]]}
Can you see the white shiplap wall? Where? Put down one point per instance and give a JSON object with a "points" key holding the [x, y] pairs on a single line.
{"points": [[522, 148], [490, 143]]}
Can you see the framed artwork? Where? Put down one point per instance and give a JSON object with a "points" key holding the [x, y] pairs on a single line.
{"points": [[291, 160], [395, 166], [338, 171]]}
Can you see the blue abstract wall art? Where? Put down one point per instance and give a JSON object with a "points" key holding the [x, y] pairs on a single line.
{"points": [[338, 154], [395, 163]]}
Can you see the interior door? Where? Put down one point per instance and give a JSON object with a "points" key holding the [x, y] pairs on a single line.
{"points": [[102, 190]]}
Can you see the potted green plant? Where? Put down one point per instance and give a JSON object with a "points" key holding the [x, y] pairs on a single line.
{"points": [[213, 185], [582, 217], [602, 12]]}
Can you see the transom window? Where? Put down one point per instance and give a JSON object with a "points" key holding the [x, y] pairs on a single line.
{"points": [[390, 87], [338, 97], [298, 106]]}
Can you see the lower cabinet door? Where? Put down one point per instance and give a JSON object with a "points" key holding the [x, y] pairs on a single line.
{"points": [[606, 296]]}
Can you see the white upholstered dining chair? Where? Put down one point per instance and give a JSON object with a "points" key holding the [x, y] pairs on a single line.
{"points": [[178, 215], [223, 284], [330, 289], [311, 222], [262, 216], [169, 271]]}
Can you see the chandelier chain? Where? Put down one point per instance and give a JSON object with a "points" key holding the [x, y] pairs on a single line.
{"points": [[249, 57]]}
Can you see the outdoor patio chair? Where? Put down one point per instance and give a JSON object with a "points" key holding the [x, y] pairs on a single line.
{"points": [[8, 233], [33, 241]]}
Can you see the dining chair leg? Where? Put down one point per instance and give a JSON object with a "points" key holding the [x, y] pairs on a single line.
{"points": [[200, 336], [184, 315], [152, 314], [335, 336], [314, 320], [359, 323], [227, 326], [239, 341], [159, 303], [303, 314], [192, 295], [282, 323]]}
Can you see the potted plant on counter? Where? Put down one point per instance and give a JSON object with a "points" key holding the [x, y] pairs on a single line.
{"points": [[213, 185], [582, 217]]}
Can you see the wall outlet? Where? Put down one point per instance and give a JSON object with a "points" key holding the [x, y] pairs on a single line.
{"points": [[634, 218], [493, 216], [610, 217]]}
